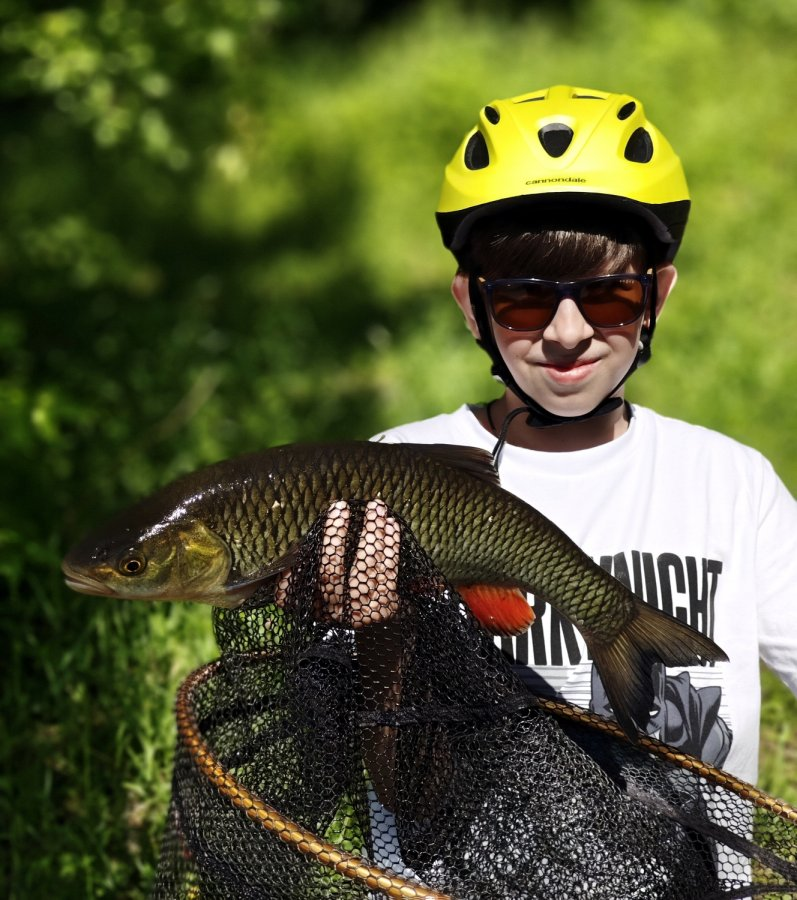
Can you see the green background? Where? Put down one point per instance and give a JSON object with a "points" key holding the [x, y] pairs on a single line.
{"points": [[217, 234]]}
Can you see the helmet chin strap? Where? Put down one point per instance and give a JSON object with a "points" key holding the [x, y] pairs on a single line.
{"points": [[538, 415]]}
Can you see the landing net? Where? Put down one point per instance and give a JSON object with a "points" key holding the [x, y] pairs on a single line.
{"points": [[361, 736]]}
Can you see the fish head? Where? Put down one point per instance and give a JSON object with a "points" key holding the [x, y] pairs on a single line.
{"points": [[180, 558]]}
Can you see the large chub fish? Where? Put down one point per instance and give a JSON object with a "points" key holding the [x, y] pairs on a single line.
{"points": [[213, 536]]}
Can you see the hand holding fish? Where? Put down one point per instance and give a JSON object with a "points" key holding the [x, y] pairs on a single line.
{"points": [[367, 592]]}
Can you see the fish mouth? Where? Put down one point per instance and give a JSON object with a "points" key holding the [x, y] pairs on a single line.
{"points": [[85, 584]]}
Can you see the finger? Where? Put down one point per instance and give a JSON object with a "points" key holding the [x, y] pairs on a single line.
{"points": [[373, 579], [283, 587], [378, 550], [332, 581]]}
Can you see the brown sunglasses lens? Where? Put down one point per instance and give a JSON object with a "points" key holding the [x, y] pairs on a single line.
{"points": [[524, 307], [612, 303]]}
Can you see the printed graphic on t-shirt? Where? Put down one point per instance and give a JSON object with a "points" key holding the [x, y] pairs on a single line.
{"points": [[688, 709]]}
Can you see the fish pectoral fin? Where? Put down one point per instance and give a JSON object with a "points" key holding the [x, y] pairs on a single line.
{"points": [[246, 586], [281, 563], [503, 611]]}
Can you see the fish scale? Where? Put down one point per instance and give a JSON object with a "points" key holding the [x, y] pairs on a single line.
{"points": [[236, 524]]}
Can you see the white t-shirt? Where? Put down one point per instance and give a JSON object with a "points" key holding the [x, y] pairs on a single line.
{"points": [[696, 524]]}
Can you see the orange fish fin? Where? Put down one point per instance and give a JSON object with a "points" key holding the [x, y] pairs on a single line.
{"points": [[501, 610]]}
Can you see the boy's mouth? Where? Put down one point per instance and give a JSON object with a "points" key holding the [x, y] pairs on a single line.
{"points": [[570, 372]]}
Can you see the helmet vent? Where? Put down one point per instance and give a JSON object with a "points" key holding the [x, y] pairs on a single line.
{"points": [[626, 109], [492, 115], [476, 154], [555, 138], [639, 147]]}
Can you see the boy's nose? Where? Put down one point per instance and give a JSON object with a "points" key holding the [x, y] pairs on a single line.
{"points": [[568, 327]]}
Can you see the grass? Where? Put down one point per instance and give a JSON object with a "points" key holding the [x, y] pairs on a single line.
{"points": [[91, 771], [778, 753]]}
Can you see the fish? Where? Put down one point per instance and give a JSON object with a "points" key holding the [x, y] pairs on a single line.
{"points": [[217, 534]]}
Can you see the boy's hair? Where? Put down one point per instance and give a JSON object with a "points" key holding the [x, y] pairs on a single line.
{"points": [[565, 244]]}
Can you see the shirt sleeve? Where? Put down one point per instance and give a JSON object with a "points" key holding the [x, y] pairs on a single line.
{"points": [[776, 568]]}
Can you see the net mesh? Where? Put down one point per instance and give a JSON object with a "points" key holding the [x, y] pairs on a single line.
{"points": [[361, 736]]}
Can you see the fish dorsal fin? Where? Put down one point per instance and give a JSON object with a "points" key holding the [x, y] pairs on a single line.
{"points": [[473, 460]]}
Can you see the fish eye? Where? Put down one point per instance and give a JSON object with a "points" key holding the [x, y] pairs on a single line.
{"points": [[132, 564]]}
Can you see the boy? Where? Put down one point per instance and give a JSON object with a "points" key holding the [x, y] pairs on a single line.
{"points": [[564, 209]]}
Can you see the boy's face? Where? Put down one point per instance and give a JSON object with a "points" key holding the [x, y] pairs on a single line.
{"points": [[569, 366]]}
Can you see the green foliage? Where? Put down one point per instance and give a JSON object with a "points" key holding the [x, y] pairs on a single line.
{"points": [[217, 234]]}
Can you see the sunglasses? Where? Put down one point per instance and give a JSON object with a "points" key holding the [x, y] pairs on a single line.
{"points": [[529, 304]]}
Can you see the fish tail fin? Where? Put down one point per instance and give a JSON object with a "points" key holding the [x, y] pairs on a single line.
{"points": [[626, 663], [503, 611]]}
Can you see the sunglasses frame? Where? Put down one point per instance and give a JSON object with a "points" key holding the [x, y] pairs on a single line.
{"points": [[562, 289]]}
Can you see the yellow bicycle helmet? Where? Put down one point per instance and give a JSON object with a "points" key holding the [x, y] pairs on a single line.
{"points": [[561, 146]]}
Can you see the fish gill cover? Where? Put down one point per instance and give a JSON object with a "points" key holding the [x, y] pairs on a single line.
{"points": [[328, 757]]}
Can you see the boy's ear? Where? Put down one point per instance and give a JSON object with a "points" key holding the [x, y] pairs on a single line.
{"points": [[461, 292], [666, 275]]}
